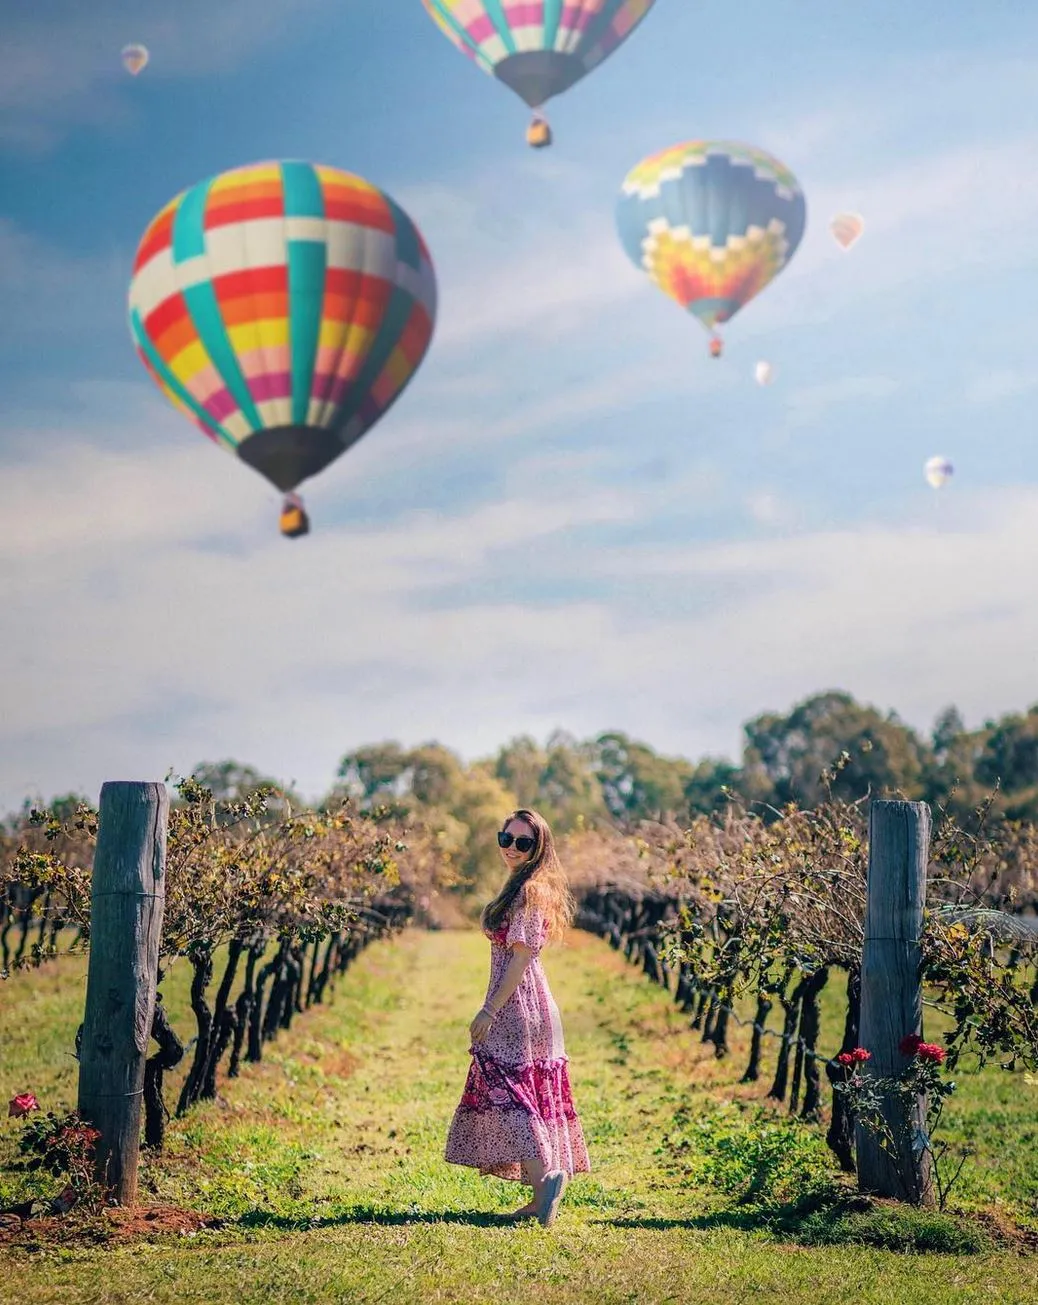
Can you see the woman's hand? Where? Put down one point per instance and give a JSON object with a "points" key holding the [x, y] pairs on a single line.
{"points": [[480, 1026]]}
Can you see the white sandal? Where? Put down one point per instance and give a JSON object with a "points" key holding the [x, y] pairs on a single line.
{"points": [[554, 1186]]}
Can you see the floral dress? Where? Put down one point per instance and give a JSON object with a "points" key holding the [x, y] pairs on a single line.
{"points": [[517, 1104]]}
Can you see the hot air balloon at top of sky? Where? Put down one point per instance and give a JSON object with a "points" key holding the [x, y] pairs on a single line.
{"points": [[283, 307], [846, 228], [538, 48], [712, 223], [135, 58], [938, 471]]}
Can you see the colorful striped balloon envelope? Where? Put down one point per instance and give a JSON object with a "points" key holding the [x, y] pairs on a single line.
{"points": [[283, 307], [537, 48]]}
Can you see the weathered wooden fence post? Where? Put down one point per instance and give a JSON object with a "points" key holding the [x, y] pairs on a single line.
{"points": [[891, 992], [126, 904]]}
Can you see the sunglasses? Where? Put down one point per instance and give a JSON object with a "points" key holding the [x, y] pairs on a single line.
{"points": [[524, 843]]}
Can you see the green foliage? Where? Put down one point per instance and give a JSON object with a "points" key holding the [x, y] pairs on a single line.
{"points": [[637, 783], [461, 806], [894, 1228], [762, 1160], [786, 756]]}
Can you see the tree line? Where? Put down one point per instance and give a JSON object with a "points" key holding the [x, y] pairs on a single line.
{"points": [[828, 746]]}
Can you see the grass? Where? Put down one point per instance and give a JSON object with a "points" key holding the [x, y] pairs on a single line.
{"points": [[326, 1161]]}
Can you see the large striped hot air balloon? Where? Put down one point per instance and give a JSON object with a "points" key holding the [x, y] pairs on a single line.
{"points": [[283, 307], [538, 48], [712, 223]]}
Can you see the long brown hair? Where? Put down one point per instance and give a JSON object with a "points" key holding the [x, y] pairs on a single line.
{"points": [[541, 878]]}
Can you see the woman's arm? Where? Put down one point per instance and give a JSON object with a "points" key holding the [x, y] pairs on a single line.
{"points": [[511, 978], [480, 1026]]}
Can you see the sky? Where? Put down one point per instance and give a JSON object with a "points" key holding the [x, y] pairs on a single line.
{"points": [[573, 518]]}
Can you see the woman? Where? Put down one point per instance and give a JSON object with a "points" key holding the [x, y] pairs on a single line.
{"points": [[516, 1118]]}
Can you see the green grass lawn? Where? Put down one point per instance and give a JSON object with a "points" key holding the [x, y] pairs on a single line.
{"points": [[326, 1159]]}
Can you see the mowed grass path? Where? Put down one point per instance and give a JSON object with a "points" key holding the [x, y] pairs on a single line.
{"points": [[327, 1159]]}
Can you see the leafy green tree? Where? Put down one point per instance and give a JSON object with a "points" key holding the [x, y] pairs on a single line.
{"points": [[1009, 758], [950, 777], [232, 781], [558, 779], [710, 784], [462, 806], [376, 774], [637, 783], [787, 758]]}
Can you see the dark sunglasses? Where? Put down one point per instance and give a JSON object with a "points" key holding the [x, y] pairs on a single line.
{"points": [[524, 843]]}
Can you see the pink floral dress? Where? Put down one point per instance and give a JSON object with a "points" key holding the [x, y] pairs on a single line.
{"points": [[517, 1104]]}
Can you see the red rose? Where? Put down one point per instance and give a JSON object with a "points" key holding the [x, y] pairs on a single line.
{"points": [[845, 1058], [931, 1051], [909, 1045], [861, 1055], [20, 1106]]}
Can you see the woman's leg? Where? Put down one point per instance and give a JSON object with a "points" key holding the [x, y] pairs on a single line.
{"points": [[533, 1172]]}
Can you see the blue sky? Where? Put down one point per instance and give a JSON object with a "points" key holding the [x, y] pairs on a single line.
{"points": [[573, 517]]}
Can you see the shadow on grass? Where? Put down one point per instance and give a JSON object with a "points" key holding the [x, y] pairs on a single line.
{"points": [[891, 1227], [373, 1215]]}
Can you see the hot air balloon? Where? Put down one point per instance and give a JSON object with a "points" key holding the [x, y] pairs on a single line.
{"points": [[711, 222], [537, 48], [764, 373], [846, 228], [938, 471], [135, 57], [283, 307]]}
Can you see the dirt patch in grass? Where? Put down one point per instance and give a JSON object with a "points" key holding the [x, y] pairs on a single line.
{"points": [[117, 1225], [340, 1064]]}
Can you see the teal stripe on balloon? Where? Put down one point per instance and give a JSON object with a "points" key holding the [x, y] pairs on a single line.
{"points": [[307, 262], [188, 236], [552, 18], [408, 250], [176, 386], [398, 314], [601, 25], [456, 27], [496, 13], [202, 306]]}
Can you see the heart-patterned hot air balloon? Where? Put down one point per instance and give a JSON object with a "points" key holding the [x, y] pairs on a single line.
{"points": [[846, 228], [135, 58]]}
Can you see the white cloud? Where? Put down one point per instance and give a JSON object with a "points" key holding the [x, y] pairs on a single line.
{"points": [[160, 619], [807, 404], [1001, 383]]}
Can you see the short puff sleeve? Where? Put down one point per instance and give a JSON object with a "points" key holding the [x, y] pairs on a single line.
{"points": [[527, 925]]}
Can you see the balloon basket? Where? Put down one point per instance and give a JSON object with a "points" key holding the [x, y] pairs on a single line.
{"points": [[538, 134], [294, 521]]}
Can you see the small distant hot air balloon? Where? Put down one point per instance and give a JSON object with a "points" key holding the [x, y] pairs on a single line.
{"points": [[938, 471], [283, 307], [711, 223], [537, 49], [764, 373], [846, 228], [135, 57]]}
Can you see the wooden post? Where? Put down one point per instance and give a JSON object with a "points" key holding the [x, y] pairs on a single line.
{"points": [[891, 991], [126, 905]]}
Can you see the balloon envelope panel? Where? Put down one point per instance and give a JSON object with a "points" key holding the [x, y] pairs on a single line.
{"points": [[284, 306], [135, 58], [539, 48], [712, 223]]}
